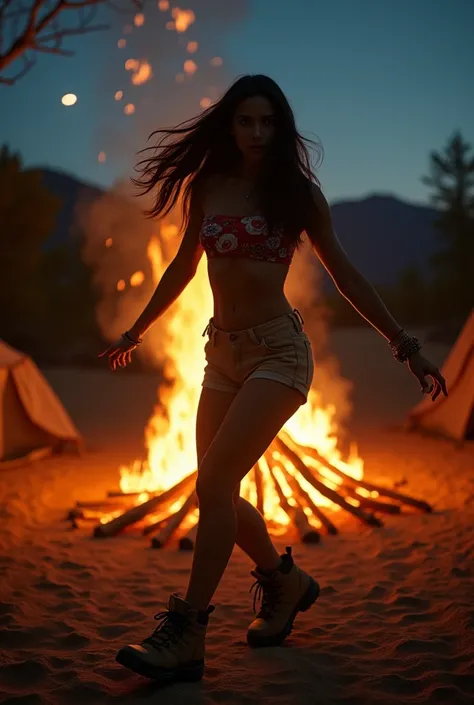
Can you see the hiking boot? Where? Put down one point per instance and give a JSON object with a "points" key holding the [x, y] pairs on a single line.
{"points": [[285, 592], [175, 650]]}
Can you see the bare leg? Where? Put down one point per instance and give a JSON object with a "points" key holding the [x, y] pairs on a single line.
{"points": [[253, 419], [253, 537], [252, 533]]}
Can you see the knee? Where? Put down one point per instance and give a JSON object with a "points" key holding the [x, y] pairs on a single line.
{"points": [[212, 488]]}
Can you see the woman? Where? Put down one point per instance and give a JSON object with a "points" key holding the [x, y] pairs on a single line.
{"points": [[249, 195]]}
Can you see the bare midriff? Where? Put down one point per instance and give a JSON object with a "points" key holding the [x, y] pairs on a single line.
{"points": [[246, 292]]}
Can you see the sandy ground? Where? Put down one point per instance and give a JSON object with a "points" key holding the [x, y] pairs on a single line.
{"points": [[395, 620]]}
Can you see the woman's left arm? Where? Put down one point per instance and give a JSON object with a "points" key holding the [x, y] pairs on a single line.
{"points": [[359, 291]]}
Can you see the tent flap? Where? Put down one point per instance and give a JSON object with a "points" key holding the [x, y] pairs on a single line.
{"points": [[31, 414], [452, 416]]}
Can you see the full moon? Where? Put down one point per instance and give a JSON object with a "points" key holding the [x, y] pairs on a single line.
{"points": [[69, 99]]}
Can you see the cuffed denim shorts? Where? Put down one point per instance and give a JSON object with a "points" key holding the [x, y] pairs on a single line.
{"points": [[278, 349]]}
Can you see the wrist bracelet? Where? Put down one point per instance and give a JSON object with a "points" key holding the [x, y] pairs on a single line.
{"points": [[404, 345], [129, 339]]}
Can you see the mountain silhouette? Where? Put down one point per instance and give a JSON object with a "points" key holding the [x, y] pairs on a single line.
{"points": [[381, 234]]}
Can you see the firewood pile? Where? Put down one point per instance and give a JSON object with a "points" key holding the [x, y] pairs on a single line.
{"points": [[164, 515]]}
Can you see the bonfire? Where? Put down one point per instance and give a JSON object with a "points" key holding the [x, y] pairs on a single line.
{"points": [[301, 482]]}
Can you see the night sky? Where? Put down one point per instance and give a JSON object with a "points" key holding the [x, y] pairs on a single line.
{"points": [[380, 82]]}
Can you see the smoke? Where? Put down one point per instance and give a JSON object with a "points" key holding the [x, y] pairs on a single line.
{"points": [[115, 247]]}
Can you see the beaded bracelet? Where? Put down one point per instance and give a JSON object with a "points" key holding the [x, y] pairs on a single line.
{"points": [[404, 345]]}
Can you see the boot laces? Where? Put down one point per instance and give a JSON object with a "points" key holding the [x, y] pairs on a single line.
{"points": [[170, 629], [269, 592]]}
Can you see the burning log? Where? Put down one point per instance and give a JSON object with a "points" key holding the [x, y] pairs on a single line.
{"points": [[166, 533], [370, 487], [127, 495], [403, 498], [296, 514], [114, 526], [321, 487], [374, 504], [154, 526], [304, 498], [186, 543], [340, 488]]}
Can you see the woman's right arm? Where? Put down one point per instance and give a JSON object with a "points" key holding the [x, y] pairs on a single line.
{"points": [[179, 272]]}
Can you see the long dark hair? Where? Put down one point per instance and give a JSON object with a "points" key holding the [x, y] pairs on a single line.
{"points": [[204, 146]]}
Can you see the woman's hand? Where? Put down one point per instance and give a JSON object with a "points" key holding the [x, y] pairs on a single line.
{"points": [[420, 367], [119, 353]]}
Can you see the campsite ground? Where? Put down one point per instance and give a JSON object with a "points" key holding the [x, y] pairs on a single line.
{"points": [[394, 622]]}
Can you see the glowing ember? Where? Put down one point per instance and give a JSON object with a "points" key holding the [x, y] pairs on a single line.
{"points": [[129, 109], [121, 285], [171, 25], [164, 5], [137, 279], [192, 47], [109, 242], [118, 95], [216, 61], [205, 102], [183, 18], [190, 67], [139, 19], [143, 74], [122, 43], [101, 157], [69, 99]]}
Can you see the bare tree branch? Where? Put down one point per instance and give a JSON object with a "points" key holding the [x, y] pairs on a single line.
{"points": [[27, 65], [42, 16]]}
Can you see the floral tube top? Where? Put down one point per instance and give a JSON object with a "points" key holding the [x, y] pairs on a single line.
{"points": [[236, 236]]}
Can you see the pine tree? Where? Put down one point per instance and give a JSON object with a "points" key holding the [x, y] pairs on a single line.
{"points": [[452, 175]]}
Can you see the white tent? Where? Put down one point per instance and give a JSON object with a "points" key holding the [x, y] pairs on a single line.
{"points": [[31, 415], [452, 416]]}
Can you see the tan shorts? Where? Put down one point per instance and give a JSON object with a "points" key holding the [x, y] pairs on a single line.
{"points": [[278, 349]]}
